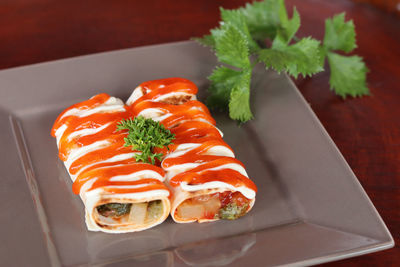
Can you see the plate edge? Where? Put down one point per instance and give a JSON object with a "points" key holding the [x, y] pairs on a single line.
{"points": [[30, 178], [343, 160]]}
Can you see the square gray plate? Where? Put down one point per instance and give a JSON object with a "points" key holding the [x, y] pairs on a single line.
{"points": [[310, 207]]}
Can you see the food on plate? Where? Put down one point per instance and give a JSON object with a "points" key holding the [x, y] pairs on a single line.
{"points": [[120, 194], [119, 156], [206, 181]]}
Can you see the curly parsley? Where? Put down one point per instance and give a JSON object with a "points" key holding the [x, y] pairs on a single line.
{"points": [[144, 135]]}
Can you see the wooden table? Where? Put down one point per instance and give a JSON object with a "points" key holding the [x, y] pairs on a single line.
{"points": [[366, 130]]}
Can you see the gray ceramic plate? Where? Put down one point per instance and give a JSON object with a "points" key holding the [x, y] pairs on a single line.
{"points": [[310, 207]]}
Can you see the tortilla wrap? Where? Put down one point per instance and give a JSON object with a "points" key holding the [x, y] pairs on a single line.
{"points": [[197, 139], [119, 194]]}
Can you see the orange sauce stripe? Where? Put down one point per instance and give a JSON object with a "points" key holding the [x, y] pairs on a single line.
{"points": [[105, 174], [88, 104], [191, 122]]}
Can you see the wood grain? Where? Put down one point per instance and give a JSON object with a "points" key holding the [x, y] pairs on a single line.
{"points": [[366, 130], [388, 5]]}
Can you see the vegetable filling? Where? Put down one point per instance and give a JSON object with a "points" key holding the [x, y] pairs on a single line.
{"points": [[134, 213], [226, 205], [114, 209]]}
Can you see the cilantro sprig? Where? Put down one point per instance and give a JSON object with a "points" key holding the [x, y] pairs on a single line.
{"points": [[144, 135], [240, 43]]}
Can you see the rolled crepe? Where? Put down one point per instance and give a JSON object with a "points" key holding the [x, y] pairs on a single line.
{"points": [[120, 195], [206, 180]]}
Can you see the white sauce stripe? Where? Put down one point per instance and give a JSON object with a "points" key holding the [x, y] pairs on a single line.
{"points": [[111, 105], [136, 94], [182, 149], [139, 175], [233, 166], [81, 151], [86, 132], [116, 158]]}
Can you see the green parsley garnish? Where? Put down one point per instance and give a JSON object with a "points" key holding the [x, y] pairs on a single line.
{"points": [[240, 43], [144, 135]]}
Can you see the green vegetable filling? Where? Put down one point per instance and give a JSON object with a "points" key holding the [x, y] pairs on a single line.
{"points": [[232, 211], [154, 209], [114, 209]]}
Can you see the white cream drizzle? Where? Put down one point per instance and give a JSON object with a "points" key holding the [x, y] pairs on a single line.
{"points": [[139, 175], [81, 151], [136, 94], [116, 158], [110, 106], [182, 149], [86, 132]]}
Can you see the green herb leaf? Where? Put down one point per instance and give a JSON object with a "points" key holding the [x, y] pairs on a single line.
{"points": [[239, 102], [348, 75], [289, 27], [243, 32], [263, 18], [222, 80], [339, 35], [237, 19], [300, 58], [144, 135], [228, 85], [231, 88], [231, 46]]}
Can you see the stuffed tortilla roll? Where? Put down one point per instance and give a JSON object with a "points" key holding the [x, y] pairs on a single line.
{"points": [[206, 181], [120, 195]]}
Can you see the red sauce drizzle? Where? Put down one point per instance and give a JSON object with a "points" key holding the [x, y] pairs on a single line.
{"points": [[93, 102], [191, 122], [157, 88], [104, 175], [91, 165]]}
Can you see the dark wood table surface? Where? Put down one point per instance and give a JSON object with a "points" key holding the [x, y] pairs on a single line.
{"points": [[366, 130]]}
